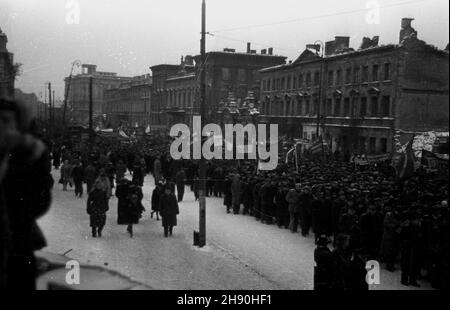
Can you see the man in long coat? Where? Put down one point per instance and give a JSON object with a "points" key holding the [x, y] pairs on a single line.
{"points": [[169, 210], [236, 188]]}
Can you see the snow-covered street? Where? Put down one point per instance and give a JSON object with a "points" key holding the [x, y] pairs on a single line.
{"points": [[241, 253]]}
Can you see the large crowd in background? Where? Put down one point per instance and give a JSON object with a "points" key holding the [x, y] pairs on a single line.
{"points": [[355, 213]]}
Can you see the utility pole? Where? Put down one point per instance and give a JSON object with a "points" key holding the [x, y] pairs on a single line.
{"points": [[202, 166], [91, 130], [53, 110], [66, 94], [50, 108]]}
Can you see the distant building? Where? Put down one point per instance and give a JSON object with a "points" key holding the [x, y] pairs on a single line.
{"points": [[176, 87], [78, 98], [128, 104], [360, 98], [34, 105], [7, 69]]}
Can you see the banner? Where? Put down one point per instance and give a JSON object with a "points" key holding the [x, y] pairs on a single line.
{"points": [[433, 161], [378, 158]]}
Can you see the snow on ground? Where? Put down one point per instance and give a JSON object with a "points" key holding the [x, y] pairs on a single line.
{"points": [[241, 253]]}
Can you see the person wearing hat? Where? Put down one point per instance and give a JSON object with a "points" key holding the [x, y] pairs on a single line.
{"points": [[293, 200], [78, 178], [323, 267], [156, 194], [168, 206], [97, 206]]}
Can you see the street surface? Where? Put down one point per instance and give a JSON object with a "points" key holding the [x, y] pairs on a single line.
{"points": [[241, 253]]}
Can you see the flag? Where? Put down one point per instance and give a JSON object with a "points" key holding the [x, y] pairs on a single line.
{"points": [[405, 166]]}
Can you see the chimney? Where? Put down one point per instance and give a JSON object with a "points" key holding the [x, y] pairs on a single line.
{"points": [[342, 43], [88, 69], [270, 50], [264, 52], [249, 47], [252, 51], [407, 30]]}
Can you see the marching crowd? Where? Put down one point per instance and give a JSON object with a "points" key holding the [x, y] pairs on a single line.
{"points": [[356, 214]]}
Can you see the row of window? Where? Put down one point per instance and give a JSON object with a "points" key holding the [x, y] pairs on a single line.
{"points": [[180, 99], [336, 107], [337, 77]]}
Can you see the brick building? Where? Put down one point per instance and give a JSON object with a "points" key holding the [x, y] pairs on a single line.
{"points": [[360, 98], [129, 103], [7, 69], [78, 98], [176, 87]]}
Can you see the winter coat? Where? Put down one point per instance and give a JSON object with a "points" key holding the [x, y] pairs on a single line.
{"points": [[180, 178], [26, 190], [156, 194], [90, 174], [168, 206], [236, 187], [157, 170], [78, 174], [389, 241], [293, 200], [121, 169], [131, 213], [323, 270], [66, 172], [122, 194], [97, 206]]}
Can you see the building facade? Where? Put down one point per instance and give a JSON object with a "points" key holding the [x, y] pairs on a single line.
{"points": [[79, 94], [7, 69], [129, 103], [357, 99], [176, 87]]}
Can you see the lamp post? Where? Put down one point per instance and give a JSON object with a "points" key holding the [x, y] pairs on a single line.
{"points": [[322, 50], [66, 94]]}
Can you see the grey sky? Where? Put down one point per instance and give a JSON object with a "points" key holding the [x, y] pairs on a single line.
{"points": [[128, 36]]}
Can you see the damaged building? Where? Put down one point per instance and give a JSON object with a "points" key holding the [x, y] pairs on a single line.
{"points": [[356, 100]]}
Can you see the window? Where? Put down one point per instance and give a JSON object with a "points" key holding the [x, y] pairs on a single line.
{"points": [[363, 107], [278, 84], [339, 77], [308, 79], [372, 145], [242, 75], [314, 107], [294, 86], [337, 107], [375, 72], [317, 78], [307, 107], [330, 78], [268, 84], [356, 75], [226, 74], [365, 74], [387, 71], [383, 145], [374, 108], [289, 80], [283, 83], [329, 107], [385, 106], [348, 76], [300, 81], [362, 144], [347, 107], [264, 85]]}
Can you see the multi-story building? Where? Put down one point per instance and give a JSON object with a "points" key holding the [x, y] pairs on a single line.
{"points": [[176, 87], [78, 98], [357, 99], [129, 103], [7, 69]]}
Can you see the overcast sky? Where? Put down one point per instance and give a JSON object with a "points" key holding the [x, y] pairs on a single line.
{"points": [[129, 36]]}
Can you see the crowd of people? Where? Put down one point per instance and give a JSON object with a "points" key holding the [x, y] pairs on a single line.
{"points": [[364, 213]]}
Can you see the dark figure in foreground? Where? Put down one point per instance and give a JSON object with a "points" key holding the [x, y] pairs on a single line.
{"points": [[169, 210], [97, 206], [25, 195]]}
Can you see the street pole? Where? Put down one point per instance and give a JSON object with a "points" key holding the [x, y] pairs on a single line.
{"points": [[91, 131], [202, 166], [53, 110], [50, 109], [67, 90]]}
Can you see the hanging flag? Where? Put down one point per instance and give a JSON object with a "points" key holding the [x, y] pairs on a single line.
{"points": [[405, 165]]}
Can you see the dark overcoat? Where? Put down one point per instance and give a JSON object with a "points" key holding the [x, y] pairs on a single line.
{"points": [[97, 206], [169, 210]]}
